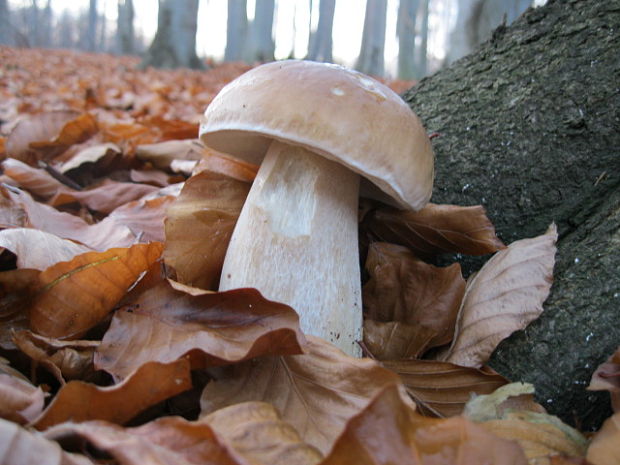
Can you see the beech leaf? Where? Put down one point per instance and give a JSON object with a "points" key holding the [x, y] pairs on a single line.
{"points": [[395, 340], [607, 378], [74, 296], [317, 392], [503, 297], [78, 401], [605, 446], [36, 181], [388, 431], [20, 401], [164, 324], [436, 229]]}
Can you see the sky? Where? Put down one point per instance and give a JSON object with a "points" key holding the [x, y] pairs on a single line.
{"points": [[291, 25]]}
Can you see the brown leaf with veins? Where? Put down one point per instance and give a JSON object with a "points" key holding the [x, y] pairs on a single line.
{"points": [[442, 389], [20, 446], [219, 162], [164, 324], [395, 340], [72, 132], [255, 431], [317, 392], [436, 229], [144, 217], [199, 225], [388, 432], [150, 384], [605, 445], [503, 297], [165, 441], [36, 181], [17, 288], [74, 296], [607, 378], [20, 401], [403, 288], [66, 360]]}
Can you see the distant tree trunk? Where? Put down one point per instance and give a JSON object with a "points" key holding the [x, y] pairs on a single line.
{"points": [[477, 19], [46, 26], [33, 23], [261, 46], [405, 30], [174, 45], [321, 42], [102, 44], [66, 30], [236, 30], [5, 24], [125, 34], [91, 33], [371, 60], [423, 49]]}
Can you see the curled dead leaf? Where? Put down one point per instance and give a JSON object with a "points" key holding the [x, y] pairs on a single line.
{"points": [[607, 378], [395, 340], [20, 401], [605, 446]]}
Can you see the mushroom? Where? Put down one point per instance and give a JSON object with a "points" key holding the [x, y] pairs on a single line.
{"points": [[315, 129]]}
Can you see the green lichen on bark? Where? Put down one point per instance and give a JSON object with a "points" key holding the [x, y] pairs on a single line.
{"points": [[529, 127]]}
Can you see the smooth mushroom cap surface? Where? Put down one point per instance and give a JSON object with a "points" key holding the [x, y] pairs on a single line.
{"points": [[330, 110]]}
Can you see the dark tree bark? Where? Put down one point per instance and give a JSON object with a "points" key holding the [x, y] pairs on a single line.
{"points": [[529, 127]]}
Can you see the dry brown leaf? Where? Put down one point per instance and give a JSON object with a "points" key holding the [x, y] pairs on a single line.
{"points": [[72, 132], [442, 389], [317, 392], [436, 229], [163, 324], [36, 128], [199, 226], [105, 197], [605, 446], [74, 296], [165, 441], [387, 432], [162, 154], [16, 290], [37, 249], [607, 378], [403, 288], [395, 340], [20, 401], [19, 446], [144, 217], [152, 383], [255, 431], [154, 177], [219, 162], [503, 297], [66, 360], [36, 181], [93, 154]]}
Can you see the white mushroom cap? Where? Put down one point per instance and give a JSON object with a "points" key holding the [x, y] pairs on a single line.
{"points": [[335, 112]]}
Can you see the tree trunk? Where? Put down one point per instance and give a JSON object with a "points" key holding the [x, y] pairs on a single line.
{"points": [[405, 30], [91, 33], [423, 50], [125, 32], [174, 45], [371, 58], [528, 127], [5, 23], [321, 42], [236, 30], [261, 46], [46, 26]]}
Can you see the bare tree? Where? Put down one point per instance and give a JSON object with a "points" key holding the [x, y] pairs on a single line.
{"points": [[45, 36], [174, 44], [125, 31], [261, 46], [91, 32], [423, 49], [406, 32], [4, 23], [236, 30], [371, 60], [321, 40]]}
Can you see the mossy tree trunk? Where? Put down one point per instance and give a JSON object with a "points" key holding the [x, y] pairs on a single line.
{"points": [[529, 127]]}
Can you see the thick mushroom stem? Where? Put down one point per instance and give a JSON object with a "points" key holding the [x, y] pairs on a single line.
{"points": [[296, 241]]}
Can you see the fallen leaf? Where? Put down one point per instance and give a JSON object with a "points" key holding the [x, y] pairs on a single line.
{"points": [[218, 162], [495, 405], [74, 296], [388, 431], [38, 249], [395, 340], [162, 154], [199, 226], [163, 324], [144, 217], [154, 177], [436, 229], [19, 446], [92, 154], [255, 431], [78, 401], [165, 441], [72, 132], [36, 181], [17, 288], [317, 392], [607, 378], [20, 401], [605, 446], [403, 288], [442, 389], [503, 297], [66, 360]]}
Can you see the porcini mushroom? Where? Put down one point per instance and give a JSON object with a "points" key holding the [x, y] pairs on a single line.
{"points": [[314, 128]]}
